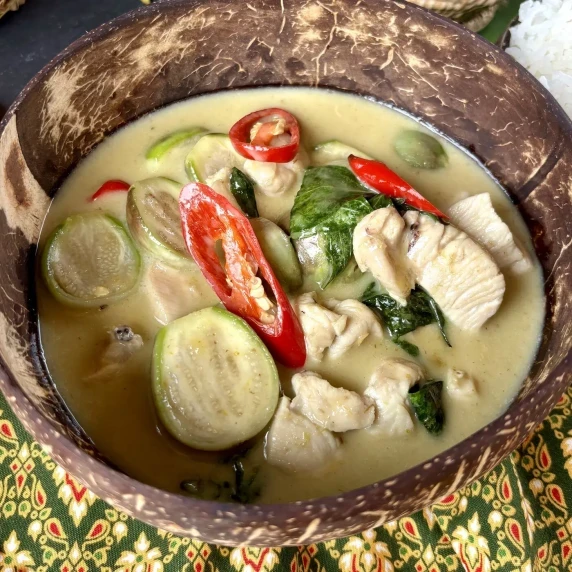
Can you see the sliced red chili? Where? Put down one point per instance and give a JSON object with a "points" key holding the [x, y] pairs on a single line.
{"points": [[208, 217], [259, 147], [112, 186], [381, 178]]}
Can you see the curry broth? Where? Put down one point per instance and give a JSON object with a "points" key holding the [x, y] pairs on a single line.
{"points": [[116, 409]]}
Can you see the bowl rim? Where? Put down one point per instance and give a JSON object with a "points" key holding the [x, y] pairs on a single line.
{"points": [[17, 399]]}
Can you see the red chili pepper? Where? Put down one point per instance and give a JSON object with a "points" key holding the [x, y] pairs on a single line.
{"points": [[382, 179], [259, 147], [208, 217], [113, 186]]}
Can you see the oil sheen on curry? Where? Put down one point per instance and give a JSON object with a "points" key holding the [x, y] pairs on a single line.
{"points": [[279, 294]]}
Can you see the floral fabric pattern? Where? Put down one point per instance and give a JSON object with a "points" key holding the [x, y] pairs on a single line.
{"points": [[517, 518]]}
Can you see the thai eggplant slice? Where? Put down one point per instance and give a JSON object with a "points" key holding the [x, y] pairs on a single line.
{"points": [[333, 153], [159, 149], [90, 260], [154, 219], [279, 252], [211, 154], [214, 382]]}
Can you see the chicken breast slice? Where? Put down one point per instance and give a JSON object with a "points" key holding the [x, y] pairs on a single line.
{"points": [[295, 444], [388, 387], [477, 217], [460, 276], [220, 182], [319, 324], [460, 384], [360, 324], [333, 408], [273, 179], [172, 292], [379, 246], [122, 344]]}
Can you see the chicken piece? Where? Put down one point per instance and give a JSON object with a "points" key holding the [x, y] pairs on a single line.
{"points": [[460, 276], [333, 408], [379, 247], [361, 322], [172, 292], [460, 384], [123, 343], [295, 444], [388, 387], [273, 179], [319, 324], [477, 217], [220, 182]]}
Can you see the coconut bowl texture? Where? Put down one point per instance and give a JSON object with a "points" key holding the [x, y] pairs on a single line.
{"points": [[391, 51]]}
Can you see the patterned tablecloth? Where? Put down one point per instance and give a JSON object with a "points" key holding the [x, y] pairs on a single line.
{"points": [[516, 518]]}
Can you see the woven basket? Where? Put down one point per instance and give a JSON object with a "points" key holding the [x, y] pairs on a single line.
{"points": [[475, 14]]}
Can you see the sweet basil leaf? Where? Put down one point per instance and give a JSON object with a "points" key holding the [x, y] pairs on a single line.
{"points": [[326, 210], [426, 401], [437, 315], [401, 320], [243, 191], [402, 207], [380, 201], [410, 348], [243, 488], [371, 291], [421, 310], [323, 192]]}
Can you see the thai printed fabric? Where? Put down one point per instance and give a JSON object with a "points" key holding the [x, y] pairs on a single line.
{"points": [[516, 518]]}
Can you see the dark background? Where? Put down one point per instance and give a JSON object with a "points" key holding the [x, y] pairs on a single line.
{"points": [[39, 30]]}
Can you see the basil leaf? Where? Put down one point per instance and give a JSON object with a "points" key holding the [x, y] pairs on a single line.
{"points": [[410, 348], [380, 201], [323, 192], [438, 316], [243, 191], [244, 488], [426, 401], [326, 210], [402, 207], [421, 310], [371, 291], [401, 320]]}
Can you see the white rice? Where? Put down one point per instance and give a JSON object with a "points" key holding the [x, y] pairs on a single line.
{"points": [[542, 43]]}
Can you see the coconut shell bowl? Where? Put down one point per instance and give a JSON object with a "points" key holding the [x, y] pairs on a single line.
{"points": [[386, 50]]}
